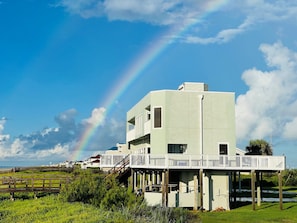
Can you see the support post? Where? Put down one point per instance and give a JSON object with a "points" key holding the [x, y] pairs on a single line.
{"points": [[166, 187], [158, 178], [153, 178], [135, 181], [280, 186], [195, 207], [201, 188], [143, 182], [253, 189], [131, 182], [234, 189], [258, 189], [163, 190], [149, 180]]}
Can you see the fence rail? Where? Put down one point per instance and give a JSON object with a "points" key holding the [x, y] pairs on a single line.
{"points": [[49, 185], [183, 161]]}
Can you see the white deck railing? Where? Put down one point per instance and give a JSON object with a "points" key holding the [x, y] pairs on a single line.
{"points": [[182, 161]]}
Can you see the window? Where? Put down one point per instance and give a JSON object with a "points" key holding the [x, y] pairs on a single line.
{"points": [[148, 113], [148, 116], [157, 117], [177, 148], [131, 124], [223, 149]]}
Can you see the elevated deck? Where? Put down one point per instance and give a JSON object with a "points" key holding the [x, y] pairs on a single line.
{"points": [[209, 162]]}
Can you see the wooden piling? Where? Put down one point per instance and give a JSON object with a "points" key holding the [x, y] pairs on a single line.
{"points": [[280, 186], [201, 188], [253, 189], [195, 193]]}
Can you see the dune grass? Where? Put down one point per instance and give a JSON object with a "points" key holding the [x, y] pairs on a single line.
{"points": [[266, 213], [52, 209], [47, 209]]}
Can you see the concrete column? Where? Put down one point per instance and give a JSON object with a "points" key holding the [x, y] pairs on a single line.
{"points": [[139, 183], [158, 178], [131, 181], [135, 181], [153, 178], [143, 182], [149, 182]]}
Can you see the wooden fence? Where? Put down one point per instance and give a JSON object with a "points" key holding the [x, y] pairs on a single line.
{"points": [[49, 185]]}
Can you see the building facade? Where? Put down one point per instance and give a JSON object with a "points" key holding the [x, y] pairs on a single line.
{"points": [[181, 147]]}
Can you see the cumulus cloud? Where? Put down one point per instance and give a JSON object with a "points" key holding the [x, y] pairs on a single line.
{"points": [[269, 107], [161, 12], [56, 144], [97, 117], [180, 13]]}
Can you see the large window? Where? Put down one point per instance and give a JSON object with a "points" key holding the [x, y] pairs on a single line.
{"points": [[223, 149], [177, 148], [157, 117]]}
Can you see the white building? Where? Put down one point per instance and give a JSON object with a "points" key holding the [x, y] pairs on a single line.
{"points": [[181, 148]]}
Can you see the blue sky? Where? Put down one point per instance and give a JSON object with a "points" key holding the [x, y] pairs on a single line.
{"points": [[61, 59]]}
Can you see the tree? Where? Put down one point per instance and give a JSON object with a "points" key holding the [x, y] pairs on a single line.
{"points": [[259, 147]]}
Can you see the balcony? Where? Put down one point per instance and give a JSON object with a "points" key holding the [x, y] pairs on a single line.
{"points": [[211, 162], [131, 135], [147, 127], [139, 131]]}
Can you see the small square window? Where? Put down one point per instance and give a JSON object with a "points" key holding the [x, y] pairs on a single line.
{"points": [[223, 149]]}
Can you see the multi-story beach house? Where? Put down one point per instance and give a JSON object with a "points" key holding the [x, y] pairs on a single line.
{"points": [[181, 148]]}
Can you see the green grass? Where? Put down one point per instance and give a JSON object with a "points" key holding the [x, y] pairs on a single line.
{"points": [[51, 209], [266, 213]]}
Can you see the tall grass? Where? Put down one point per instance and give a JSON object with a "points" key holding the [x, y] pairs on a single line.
{"points": [[266, 213], [52, 209]]}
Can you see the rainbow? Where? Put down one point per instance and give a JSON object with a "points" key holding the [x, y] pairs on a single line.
{"points": [[137, 67]]}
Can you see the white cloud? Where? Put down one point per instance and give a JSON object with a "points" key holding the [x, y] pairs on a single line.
{"points": [[268, 108], [222, 37], [290, 129], [56, 144], [62, 151], [3, 137], [159, 12], [181, 13], [97, 117]]}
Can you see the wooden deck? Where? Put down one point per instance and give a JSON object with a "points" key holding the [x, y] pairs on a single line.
{"points": [[196, 162]]}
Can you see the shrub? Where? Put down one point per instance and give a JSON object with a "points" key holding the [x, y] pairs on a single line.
{"points": [[99, 191], [86, 187], [118, 197]]}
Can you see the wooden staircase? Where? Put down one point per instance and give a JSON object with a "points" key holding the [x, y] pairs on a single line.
{"points": [[121, 170]]}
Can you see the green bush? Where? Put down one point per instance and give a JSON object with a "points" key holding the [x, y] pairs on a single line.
{"points": [[290, 177], [118, 197], [94, 189], [114, 198], [86, 187]]}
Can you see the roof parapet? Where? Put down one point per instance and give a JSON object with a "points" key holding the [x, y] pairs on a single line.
{"points": [[193, 86]]}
